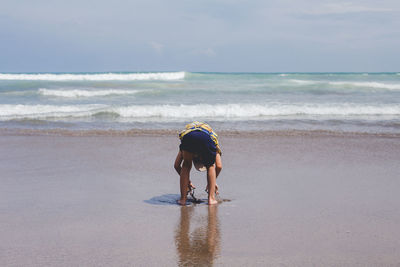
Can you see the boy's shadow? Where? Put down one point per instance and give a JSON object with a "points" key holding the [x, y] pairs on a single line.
{"points": [[171, 199]]}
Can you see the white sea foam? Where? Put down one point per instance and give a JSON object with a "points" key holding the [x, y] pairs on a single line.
{"points": [[84, 93], [390, 86], [223, 112], [249, 110], [303, 82], [9, 111], [94, 77]]}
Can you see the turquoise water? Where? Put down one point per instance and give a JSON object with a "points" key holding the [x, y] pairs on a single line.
{"points": [[360, 102]]}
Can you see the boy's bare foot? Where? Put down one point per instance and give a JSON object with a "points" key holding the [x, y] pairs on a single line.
{"points": [[181, 202], [212, 201]]}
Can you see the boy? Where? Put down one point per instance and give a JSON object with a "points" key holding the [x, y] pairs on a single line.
{"points": [[199, 144]]}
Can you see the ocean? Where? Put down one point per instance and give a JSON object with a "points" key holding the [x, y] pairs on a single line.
{"points": [[343, 102]]}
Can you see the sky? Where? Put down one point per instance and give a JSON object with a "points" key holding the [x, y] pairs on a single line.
{"points": [[200, 35]]}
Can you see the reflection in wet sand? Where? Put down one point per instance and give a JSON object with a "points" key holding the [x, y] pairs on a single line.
{"points": [[198, 245]]}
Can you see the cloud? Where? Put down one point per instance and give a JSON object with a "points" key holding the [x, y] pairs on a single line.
{"points": [[344, 8], [157, 47], [208, 52]]}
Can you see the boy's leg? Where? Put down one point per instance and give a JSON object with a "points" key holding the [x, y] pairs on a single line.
{"points": [[218, 168], [211, 181], [218, 164], [184, 175]]}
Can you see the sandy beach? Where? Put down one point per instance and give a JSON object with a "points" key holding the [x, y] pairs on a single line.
{"points": [[302, 199]]}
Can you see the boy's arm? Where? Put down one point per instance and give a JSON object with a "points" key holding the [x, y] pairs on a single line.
{"points": [[178, 161]]}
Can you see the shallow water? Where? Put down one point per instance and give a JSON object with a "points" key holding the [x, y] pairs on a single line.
{"points": [[357, 102]]}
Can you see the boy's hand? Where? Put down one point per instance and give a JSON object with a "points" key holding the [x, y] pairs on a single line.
{"points": [[216, 189], [190, 187]]}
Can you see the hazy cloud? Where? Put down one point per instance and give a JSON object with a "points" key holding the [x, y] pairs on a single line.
{"points": [[209, 52], [344, 8], [157, 47]]}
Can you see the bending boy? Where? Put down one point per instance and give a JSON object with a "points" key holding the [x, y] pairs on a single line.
{"points": [[199, 144]]}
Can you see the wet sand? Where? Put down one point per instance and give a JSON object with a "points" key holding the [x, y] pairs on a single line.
{"points": [[296, 200]]}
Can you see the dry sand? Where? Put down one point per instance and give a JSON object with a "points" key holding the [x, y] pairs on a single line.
{"points": [[296, 200]]}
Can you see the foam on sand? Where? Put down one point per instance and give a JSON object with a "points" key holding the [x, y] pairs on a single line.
{"points": [[182, 112], [249, 110]]}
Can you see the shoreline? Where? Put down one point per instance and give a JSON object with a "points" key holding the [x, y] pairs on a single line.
{"points": [[172, 132]]}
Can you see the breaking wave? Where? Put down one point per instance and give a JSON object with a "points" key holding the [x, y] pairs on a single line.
{"points": [[44, 111], [94, 77], [84, 93]]}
